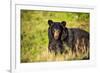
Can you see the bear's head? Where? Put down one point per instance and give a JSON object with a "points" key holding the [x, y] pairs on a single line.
{"points": [[56, 28]]}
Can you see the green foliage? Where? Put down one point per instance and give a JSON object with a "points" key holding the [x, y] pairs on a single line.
{"points": [[34, 31]]}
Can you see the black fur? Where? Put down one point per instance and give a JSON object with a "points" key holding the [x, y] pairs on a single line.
{"points": [[74, 35], [55, 45]]}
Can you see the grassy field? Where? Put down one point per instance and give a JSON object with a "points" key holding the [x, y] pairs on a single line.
{"points": [[34, 34]]}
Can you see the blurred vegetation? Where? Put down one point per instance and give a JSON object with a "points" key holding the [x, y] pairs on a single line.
{"points": [[34, 33]]}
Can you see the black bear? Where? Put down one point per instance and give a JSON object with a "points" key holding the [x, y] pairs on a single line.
{"points": [[75, 38]]}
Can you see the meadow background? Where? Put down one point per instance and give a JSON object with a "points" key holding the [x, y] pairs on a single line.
{"points": [[34, 34]]}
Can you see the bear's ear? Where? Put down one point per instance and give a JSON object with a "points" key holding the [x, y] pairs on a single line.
{"points": [[50, 22], [63, 23]]}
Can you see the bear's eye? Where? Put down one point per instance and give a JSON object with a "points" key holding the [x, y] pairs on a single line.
{"points": [[56, 30]]}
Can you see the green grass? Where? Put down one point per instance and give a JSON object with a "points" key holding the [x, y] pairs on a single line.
{"points": [[34, 34]]}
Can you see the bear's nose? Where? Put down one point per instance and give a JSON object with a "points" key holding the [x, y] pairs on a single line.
{"points": [[56, 34]]}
